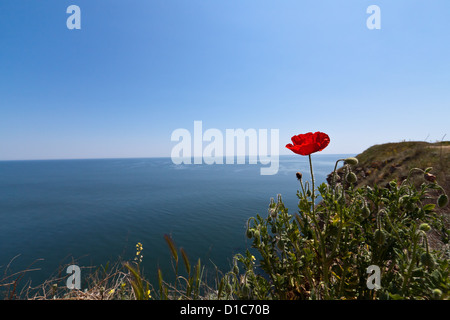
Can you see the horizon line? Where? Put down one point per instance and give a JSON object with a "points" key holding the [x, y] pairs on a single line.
{"points": [[152, 157]]}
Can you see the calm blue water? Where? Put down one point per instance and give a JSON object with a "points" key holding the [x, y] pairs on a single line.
{"points": [[95, 211]]}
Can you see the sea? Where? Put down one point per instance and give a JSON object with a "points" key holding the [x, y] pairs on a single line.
{"points": [[93, 212]]}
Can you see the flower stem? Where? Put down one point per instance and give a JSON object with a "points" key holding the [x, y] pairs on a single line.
{"points": [[321, 237], [411, 265], [313, 196], [334, 173]]}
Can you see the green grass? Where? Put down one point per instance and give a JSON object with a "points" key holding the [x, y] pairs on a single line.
{"points": [[382, 163]]}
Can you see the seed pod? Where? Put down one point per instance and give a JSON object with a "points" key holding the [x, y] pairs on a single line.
{"points": [[235, 269], [379, 236], [442, 200], [351, 177], [298, 175], [425, 227], [246, 290], [393, 184], [436, 294], [256, 235], [365, 212], [409, 206], [427, 259], [351, 161]]}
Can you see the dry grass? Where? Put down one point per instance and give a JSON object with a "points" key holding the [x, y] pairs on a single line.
{"points": [[102, 283]]}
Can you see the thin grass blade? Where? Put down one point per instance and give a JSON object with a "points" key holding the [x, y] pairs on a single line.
{"points": [[172, 247]]}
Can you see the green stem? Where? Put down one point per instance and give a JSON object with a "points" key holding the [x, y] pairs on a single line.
{"points": [[303, 188], [334, 172], [411, 265], [321, 239], [313, 196]]}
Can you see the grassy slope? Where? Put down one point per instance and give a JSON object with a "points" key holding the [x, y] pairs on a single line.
{"points": [[383, 163]]}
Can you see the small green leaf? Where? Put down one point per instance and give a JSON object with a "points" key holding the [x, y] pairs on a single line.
{"points": [[396, 296]]}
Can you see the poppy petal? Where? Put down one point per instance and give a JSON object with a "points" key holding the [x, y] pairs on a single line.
{"points": [[307, 143]]}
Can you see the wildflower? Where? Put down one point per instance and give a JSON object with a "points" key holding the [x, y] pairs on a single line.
{"points": [[305, 144], [139, 249], [111, 291]]}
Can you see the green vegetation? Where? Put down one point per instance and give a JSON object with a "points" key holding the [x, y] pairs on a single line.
{"points": [[384, 208]]}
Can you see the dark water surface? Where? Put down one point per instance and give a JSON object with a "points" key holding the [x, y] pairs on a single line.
{"points": [[96, 211]]}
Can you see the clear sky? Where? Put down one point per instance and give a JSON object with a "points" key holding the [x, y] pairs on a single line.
{"points": [[139, 69]]}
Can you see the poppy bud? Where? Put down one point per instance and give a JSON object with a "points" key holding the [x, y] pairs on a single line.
{"points": [[298, 175], [246, 290], [427, 259], [442, 200], [351, 177], [409, 206], [393, 184], [351, 161], [425, 227], [365, 212], [249, 233], [436, 293], [430, 177], [379, 236]]}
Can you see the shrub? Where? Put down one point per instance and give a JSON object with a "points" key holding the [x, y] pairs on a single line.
{"points": [[324, 250]]}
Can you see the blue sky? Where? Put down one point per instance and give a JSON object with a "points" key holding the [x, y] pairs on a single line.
{"points": [[137, 70]]}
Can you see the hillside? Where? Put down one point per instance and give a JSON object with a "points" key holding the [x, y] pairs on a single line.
{"points": [[383, 163]]}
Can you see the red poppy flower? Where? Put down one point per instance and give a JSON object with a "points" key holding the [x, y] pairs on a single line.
{"points": [[305, 144]]}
